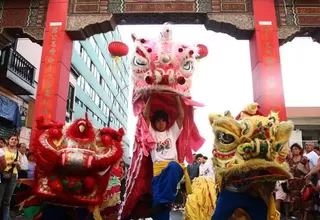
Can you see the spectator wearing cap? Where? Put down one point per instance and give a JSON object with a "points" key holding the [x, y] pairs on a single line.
{"points": [[199, 158]]}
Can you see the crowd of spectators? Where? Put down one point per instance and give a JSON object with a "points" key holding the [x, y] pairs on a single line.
{"points": [[299, 198]]}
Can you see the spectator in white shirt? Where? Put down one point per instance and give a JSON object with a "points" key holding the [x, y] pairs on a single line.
{"points": [[3, 163], [313, 159], [311, 155], [206, 167], [315, 169], [23, 172]]}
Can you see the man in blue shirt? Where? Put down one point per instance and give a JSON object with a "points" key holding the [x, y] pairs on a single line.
{"points": [[193, 169]]}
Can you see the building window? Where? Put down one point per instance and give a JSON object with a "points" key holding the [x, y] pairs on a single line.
{"points": [[97, 99], [77, 46], [70, 103], [84, 56], [78, 101], [87, 88], [113, 80]]}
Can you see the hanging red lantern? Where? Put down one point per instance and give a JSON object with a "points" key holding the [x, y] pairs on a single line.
{"points": [[118, 49], [203, 51]]}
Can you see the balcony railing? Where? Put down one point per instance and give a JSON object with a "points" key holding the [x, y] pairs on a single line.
{"points": [[16, 73], [21, 66]]}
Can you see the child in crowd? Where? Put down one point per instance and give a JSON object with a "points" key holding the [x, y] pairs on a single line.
{"points": [[31, 165]]}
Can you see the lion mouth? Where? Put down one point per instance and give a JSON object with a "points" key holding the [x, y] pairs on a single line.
{"points": [[254, 171], [163, 88], [49, 190], [78, 157], [257, 175]]}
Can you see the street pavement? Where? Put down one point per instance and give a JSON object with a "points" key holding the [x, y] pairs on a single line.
{"points": [[18, 218], [175, 215]]}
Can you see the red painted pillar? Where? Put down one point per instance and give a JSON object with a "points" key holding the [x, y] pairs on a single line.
{"points": [[265, 60], [53, 83]]}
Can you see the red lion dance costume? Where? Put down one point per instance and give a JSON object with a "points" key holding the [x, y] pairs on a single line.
{"points": [[74, 163], [162, 68]]}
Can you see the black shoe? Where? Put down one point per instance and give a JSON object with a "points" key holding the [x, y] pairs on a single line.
{"points": [[146, 198], [158, 209]]}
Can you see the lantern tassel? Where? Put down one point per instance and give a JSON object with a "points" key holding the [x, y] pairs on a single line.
{"points": [[116, 60]]}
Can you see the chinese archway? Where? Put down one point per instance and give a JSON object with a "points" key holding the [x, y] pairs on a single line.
{"points": [[267, 24]]}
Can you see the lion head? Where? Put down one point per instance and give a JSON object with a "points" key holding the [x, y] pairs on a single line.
{"points": [[74, 161], [162, 65], [251, 148]]}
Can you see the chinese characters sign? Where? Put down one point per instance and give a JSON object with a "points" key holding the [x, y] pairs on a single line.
{"points": [[160, 6], [268, 55], [269, 59], [50, 71]]}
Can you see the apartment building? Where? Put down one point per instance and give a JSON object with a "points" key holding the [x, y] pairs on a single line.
{"points": [[102, 86]]}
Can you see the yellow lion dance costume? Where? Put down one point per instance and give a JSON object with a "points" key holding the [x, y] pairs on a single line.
{"points": [[249, 157]]}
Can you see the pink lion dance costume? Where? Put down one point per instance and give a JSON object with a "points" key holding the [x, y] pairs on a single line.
{"points": [[164, 69]]}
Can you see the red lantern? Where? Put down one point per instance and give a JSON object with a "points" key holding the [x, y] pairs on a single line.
{"points": [[118, 49], [203, 51]]}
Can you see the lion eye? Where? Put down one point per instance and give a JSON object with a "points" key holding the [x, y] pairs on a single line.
{"points": [[188, 66], [225, 138], [138, 62]]}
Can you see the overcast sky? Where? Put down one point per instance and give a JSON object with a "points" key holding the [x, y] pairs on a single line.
{"points": [[223, 79]]}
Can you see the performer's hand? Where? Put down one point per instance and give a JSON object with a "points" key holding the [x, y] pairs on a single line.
{"points": [[289, 156], [308, 182], [307, 176], [16, 163]]}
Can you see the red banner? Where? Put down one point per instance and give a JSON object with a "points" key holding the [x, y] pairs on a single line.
{"points": [[270, 75], [50, 72], [268, 56]]}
